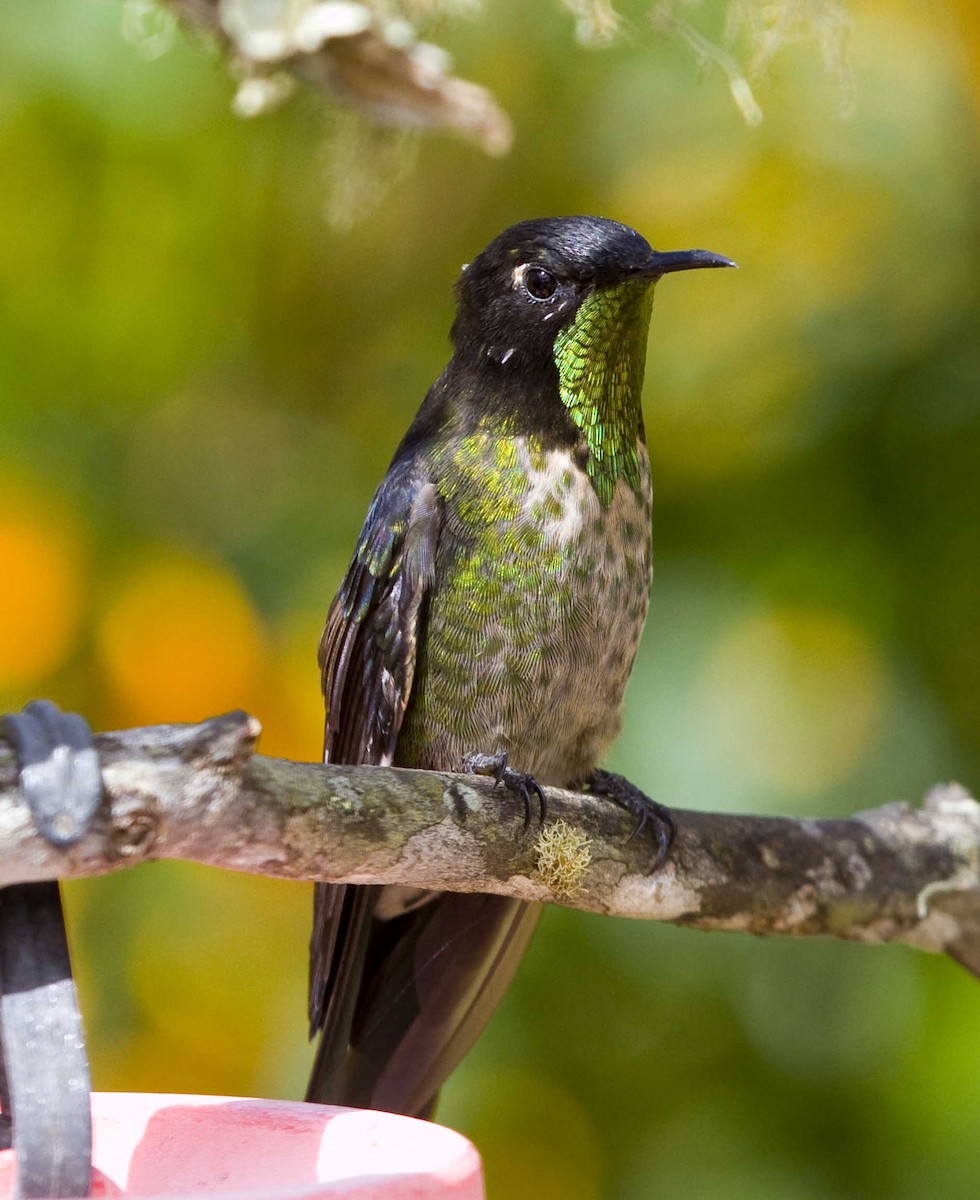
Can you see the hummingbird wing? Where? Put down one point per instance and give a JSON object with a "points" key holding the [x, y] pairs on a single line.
{"points": [[370, 641], [367, 660], [401, 987]]}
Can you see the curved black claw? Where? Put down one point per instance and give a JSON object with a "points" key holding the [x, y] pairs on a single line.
{"points": [[518, 783], [59, 769], [647, 812]]}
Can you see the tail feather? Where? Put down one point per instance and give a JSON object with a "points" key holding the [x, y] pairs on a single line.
{"points": [[430, 982]]}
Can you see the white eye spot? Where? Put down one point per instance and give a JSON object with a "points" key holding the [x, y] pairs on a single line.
{"points": [[536, 282], [507, 356]]}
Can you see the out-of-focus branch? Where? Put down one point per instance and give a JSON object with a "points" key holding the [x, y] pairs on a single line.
{"points": [[366, 53], [200, 793], [354, 51]]}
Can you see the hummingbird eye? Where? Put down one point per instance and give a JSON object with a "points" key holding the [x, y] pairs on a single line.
{"points": [[539, 283]]}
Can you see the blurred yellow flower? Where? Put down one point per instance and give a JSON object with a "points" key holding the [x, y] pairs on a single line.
{"points": [[226, 1024], [180, 641], [41, 585], [291, 710]]}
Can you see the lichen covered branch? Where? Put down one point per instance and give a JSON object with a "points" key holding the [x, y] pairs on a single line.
{"points": [[201, 793]]}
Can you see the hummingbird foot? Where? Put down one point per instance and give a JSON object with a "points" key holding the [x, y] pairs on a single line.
{"points": [[518, 783], [647, 812]]}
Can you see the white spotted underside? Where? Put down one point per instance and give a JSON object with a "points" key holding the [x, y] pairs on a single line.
{"points": [[532, 653]]}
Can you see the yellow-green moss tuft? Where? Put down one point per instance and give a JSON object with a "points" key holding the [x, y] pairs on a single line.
{"points": [[564, 856]]}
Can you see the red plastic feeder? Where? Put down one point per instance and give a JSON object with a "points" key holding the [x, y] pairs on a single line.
{"points": [[150, 1145]]}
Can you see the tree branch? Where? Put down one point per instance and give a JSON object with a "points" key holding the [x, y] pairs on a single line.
{"points": [[354, 53], [200, 793]]}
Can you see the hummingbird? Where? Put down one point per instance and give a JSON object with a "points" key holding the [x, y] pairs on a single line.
{"points": [[488, 623]]}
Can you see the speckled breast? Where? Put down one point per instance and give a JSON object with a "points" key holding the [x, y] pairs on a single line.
{"points": [[539, 602]]}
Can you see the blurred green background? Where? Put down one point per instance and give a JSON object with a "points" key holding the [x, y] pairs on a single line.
{"points": [[201, 383]]}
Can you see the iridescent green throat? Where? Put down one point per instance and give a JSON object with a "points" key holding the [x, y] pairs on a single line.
{"points": [[600, 357]]}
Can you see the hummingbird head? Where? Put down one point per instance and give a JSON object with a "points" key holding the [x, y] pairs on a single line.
{"points": [[534, 280], [550, 341]]}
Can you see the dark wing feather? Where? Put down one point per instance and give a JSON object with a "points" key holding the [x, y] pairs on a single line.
{"points": [[367, 659], [400, 1000], [369, 645]]}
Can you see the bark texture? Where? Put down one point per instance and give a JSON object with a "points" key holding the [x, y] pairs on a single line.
{"points": [[201, 793]]}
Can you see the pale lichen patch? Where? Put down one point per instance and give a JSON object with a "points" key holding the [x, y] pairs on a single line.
{"points": [[770, 858], [859, 874], [662, 895], [935, 933], [443, 851], [734, 923], [563, 857], [800, 907], [952, 798], [825, 878]]}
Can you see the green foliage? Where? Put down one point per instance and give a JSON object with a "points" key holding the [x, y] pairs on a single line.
{"points": [[201, 383]]}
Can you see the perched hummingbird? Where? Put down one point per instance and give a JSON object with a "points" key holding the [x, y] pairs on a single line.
{"points": [[488, 622]]}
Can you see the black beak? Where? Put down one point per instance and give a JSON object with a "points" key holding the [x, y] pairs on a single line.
{"points": [[661, 262]]}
